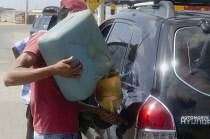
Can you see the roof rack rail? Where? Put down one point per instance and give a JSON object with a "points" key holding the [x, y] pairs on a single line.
{"points": [[131, 2], [191, 2], [175, 2], [163, 9]]}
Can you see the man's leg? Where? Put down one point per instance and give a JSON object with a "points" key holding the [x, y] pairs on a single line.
{"points": [[30, 128]]}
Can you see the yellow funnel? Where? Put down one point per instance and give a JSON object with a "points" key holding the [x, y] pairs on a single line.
{"points": [[109, 91]]}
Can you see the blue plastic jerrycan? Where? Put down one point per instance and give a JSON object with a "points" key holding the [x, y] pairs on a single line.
{"points": [[77, 35]]}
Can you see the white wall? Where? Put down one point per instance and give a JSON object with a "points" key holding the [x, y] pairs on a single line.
{"points": [[7, 15]]}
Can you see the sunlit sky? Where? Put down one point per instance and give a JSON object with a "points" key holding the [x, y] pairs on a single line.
{"points": [[32, 4]]}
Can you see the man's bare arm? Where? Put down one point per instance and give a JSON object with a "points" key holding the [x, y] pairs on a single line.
{"points": [[15, 52], [20, 73]]}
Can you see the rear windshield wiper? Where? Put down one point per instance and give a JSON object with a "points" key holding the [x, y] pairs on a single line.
{"points": [[203, 61]]}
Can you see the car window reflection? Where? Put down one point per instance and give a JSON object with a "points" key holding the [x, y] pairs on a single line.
{"points": [[192, 58]]}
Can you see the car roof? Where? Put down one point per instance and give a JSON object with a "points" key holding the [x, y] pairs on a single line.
{"points": [[164, 11]]}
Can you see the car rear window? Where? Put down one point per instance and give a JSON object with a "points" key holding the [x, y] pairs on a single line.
{"points": [[37, 23], [42, 23], [47, 21], [192, 58]]}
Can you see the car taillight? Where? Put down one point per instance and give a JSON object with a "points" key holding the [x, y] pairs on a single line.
{"points": [[155, 121]]}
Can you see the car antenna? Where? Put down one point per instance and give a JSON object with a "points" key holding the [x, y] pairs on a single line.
{"points": [[157, 1]]}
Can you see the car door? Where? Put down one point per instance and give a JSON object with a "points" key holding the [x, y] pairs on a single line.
{"points": [[123, 38], [134, 54], [117, 35]]}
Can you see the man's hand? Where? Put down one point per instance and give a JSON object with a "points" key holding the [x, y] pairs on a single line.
{"points": [[104, 115], [69, 69]]}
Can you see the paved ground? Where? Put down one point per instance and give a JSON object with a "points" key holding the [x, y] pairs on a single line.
{"points": [[7, 23], [12, 108]]}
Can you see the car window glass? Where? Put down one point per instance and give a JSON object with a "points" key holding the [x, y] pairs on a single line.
{"points": [[42, 23], [129, 75], [36, 24], [131, 52], [106, 30], [47, 21], [192, 58], [118, 41], [140, 60]]}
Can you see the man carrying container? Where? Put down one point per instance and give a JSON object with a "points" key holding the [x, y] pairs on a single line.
{"points": [[54, 117]]}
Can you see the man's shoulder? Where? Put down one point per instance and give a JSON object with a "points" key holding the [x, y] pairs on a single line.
{"points": [[21, 44], [35, 37], [39, 34]]}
